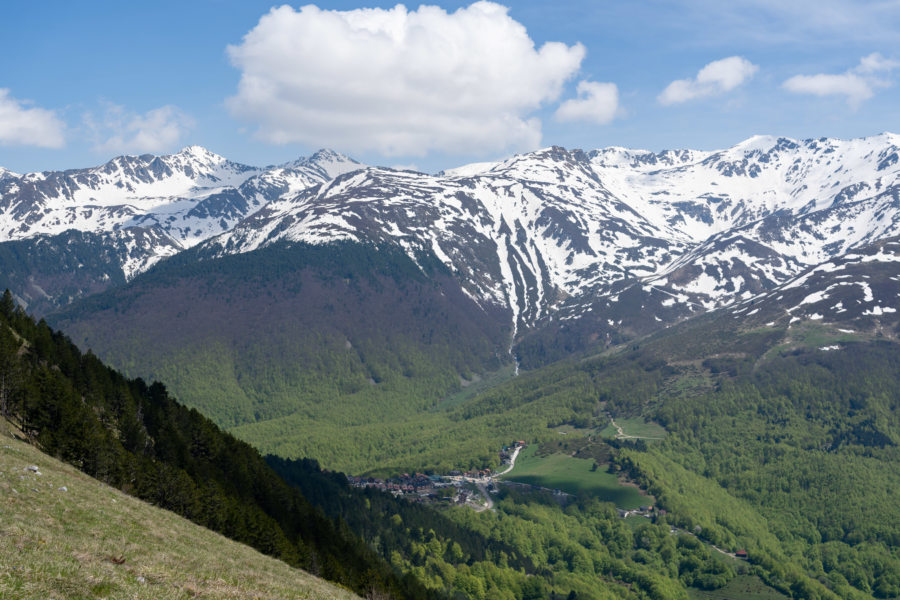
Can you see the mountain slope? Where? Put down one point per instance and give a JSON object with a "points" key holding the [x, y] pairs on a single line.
{"points": [[859, 290], [50, 272], [318, 332], [71, 531], [546, 233], [137, 438], [512, 235], [542, 256]]}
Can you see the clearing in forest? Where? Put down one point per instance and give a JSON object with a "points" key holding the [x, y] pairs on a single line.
{"points": [[573, 476]]}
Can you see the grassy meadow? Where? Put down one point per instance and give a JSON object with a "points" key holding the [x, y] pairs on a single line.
{"points": [[635, 427], [573, 476], [66, 535]]}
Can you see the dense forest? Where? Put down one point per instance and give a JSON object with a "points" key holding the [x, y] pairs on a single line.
{"points": [[782, 442], [810, 443]]}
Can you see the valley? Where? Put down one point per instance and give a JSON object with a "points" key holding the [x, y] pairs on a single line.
{"points": [[712, 336], [453, 300]]}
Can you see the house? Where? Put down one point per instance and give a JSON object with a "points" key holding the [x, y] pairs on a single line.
{"points": [[741, 554]]}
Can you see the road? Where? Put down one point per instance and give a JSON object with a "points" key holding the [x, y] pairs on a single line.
{"points": [[512, 462], [481, 482], [488, 503]]}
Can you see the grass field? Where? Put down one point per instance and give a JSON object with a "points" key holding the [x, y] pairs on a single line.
{"points": [[742, 587], [91, 541], [635, 427], [573, 476]]}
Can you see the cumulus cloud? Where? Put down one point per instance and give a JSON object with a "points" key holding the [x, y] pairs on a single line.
{"points": [[857, 84], [717, 77], [398, 82], [23, 125], [596, 103], [123, 131]]}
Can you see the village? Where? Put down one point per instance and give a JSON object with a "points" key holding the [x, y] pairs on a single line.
{"points": [[469, 488]]}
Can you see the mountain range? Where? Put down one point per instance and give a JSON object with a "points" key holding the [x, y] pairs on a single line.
{"points": [[548, 237]]}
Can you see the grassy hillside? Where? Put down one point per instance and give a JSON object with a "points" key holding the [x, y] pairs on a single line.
{"points": [[67, 535]]}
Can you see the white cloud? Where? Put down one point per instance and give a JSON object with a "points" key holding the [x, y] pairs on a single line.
{"points": [[398, 82], [717, 77], [596, 103], [121, 131], [857, 84], [851, 85], [875, 63], [21, 125]]}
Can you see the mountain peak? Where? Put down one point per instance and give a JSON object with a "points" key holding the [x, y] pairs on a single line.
{"points": [[199, 153], [761, 143], [327, 162], [7, 174], [328, 154]]}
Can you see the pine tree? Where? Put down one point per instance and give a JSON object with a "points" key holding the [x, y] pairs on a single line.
{"points": [[7, 305]]}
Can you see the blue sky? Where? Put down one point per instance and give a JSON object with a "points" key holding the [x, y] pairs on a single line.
{"points": [[436, 87]]}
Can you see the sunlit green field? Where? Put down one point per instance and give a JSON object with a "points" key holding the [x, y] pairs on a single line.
{"points": [[573, 476], [635, 427]]}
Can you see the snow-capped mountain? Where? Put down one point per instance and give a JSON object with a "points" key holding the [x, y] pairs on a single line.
{"points": [[551, 232], [624, 240], [521, 235], [7, 174], [784, 202], [182, 198]]}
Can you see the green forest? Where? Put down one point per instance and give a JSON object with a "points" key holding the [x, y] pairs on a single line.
{"points": [[782, 451]]}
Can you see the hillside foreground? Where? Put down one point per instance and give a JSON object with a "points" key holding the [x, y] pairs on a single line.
{"points": [[66, 535]]}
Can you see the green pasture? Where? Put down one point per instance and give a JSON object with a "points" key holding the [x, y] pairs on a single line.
{"points": [[573, 476], [635, 427]]}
